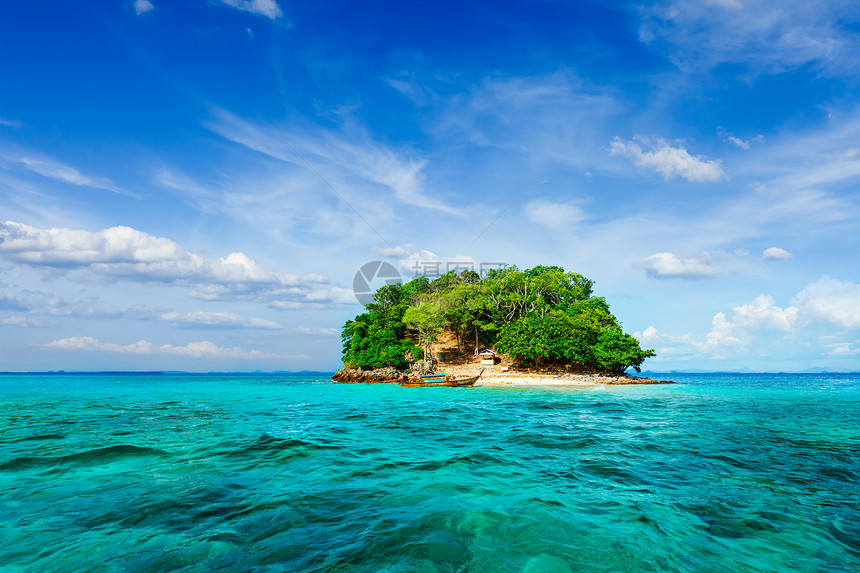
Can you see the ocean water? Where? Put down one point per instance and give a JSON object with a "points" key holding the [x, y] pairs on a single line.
{"points": [[293, 473]]}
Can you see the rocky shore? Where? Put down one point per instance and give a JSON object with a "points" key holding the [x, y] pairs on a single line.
{"points": [[387, 375], [493, 377]]}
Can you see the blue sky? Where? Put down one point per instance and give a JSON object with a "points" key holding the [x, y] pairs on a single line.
{"points": [[699, 160]]}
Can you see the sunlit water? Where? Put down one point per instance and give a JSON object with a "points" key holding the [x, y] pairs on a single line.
{"points": [[292, 473]]}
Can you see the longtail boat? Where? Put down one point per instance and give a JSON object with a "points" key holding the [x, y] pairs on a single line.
{"points": [[439, 380]]}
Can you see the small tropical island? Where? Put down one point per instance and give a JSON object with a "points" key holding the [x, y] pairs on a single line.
{"points": [[533, 327]]}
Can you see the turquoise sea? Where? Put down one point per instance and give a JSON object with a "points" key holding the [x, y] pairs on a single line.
{"points": [[149, 472]]}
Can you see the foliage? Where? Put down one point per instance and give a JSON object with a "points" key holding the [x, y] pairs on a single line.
{"points": [[536, 316], [377, 337]]}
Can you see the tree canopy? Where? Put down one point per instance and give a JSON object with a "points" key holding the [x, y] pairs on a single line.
{"points": [[537, 316]]}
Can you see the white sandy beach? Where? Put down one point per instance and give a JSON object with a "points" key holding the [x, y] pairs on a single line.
{"points": [[493, 376]]}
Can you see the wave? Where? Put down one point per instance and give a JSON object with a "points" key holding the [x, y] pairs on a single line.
{"points": [[97, 456], [39, 438]]}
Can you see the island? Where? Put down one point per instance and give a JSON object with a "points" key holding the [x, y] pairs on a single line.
{"points": [[534, 327]]}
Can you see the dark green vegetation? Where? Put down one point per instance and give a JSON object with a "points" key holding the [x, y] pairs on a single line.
{"points": [[539, 317]]}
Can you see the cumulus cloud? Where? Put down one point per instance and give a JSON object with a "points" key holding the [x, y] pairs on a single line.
{"points": [[201, 349], [831, 300], [648, 335], [669, 265], [721, 333], [142, 7], [669, 161], [201, 319], [126, 253], [267, 8], [555, 215], [822, 304], [776, 253], [763, 313]]}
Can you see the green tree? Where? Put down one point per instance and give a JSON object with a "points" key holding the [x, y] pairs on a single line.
{"points": [[428, 318], [616, 351]]}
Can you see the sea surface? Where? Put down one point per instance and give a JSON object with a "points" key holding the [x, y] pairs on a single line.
{"points": [[225, 472]]}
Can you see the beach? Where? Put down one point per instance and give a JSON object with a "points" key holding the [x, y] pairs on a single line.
{"points": [[494, 376]]}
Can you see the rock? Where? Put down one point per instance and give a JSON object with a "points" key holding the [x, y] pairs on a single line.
{"points": [[385, 375]]}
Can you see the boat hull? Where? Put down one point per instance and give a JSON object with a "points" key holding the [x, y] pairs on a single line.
{"points": [[462, 382]]}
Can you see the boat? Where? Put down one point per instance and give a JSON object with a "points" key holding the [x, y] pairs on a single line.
{"points": [[439, 380]]}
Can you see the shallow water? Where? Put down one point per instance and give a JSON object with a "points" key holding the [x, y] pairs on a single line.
{"points": [[291, 473]]}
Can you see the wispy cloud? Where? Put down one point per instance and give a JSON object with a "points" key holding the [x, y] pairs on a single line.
{"points": [[201, 349], [267, 8], [557, 215], [142, 7], [202, 319], [59, 171], [744, 144], [669, 161], [316, 331], [347, 156], [765, 36], [11, 302], [21, 321]]}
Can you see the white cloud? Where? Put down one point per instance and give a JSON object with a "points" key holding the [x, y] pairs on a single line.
{"points": [[669, 161], [53, 169], [178, 181], [739, 142], [776, 253], [351, 156], [749, 327], [844, 349], [648, 335], [267, 8], [126, 253], [555, 215], [415, 262], [10, 302], [669, 265], [763, 313], [314, 331], [199, 319], [20, 321], [831, 300], [201, 349], [763, 36], [721, 333], [744, 144], [142, 7]]}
